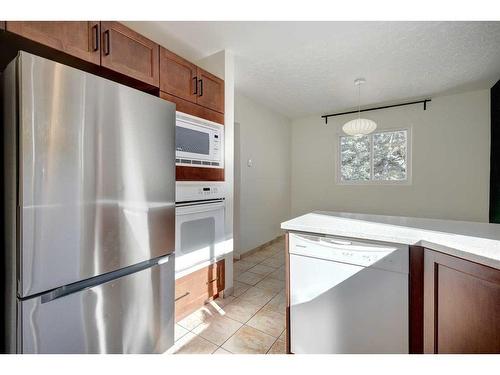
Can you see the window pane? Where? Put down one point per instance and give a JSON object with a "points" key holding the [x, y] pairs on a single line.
{"points": [[355, 158], [390, 156]]}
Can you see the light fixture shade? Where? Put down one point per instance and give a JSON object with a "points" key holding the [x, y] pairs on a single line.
{"points": [[359, 127]]}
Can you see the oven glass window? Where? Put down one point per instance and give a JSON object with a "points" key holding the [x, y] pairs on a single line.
{"points": [[198, 235], [189, 140]]}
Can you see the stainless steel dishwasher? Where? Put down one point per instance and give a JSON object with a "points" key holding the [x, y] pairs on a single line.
{"points": [[347, 295]]}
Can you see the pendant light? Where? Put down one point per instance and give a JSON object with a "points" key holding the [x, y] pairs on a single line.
{"points": [[360, 126]]}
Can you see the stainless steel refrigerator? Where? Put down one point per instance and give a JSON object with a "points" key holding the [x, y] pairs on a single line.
{"points": [[89, 211]]}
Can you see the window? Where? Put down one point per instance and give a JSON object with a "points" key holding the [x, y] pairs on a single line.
{"points": [[378, 157]]}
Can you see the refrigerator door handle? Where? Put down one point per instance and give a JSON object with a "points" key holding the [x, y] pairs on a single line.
{"points": [[97, 280]]}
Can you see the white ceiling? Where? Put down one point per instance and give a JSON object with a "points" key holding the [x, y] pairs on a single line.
{"points": [[302, 68]]}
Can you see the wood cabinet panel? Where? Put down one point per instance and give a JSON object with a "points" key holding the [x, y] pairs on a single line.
{"points": [[416, 300], [178, 76], [127, 52], [210, 91], [183, 173], [193, 109], [193, 290], [76, 38], [461, 305]]}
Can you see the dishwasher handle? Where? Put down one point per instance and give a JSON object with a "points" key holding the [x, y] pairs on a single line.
{"points": [[340, 244]]}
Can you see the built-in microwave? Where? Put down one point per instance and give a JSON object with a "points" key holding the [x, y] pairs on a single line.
{"points": [[198, 142]]}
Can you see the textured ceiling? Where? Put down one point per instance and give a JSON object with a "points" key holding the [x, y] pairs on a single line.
{"points": [[302, 68]]}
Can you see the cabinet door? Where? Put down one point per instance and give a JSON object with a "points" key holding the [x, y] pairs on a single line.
{"points": [[193, 109], [210, 91], [127, 52], [76, 38], [461, 305], [193, 290], [177, 76]]}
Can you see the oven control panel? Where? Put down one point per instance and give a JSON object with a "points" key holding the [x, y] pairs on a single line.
{"points": [[186, 192], [207, 191]]}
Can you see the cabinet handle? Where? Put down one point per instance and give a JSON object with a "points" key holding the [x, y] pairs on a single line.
{"points": [[184, 295], [211, 281], [201, 87], [195, 79], [95, 40], [107, 46]]}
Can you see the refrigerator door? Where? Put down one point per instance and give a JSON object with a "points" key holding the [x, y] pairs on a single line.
{"points": [[97, 175], [130, 314]]}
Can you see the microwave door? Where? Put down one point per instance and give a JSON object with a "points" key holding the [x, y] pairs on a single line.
{"points": [[199, 142], [192, 143]]}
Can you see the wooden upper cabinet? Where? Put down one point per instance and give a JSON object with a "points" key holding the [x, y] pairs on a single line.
{"points": [[210, 91], [461, 306], [76, 38], [178, 76], [185, 80], [193, 109], [127, 52]]}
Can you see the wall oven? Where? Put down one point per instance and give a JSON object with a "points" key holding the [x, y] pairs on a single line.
{"points": [[199, 233], [199, 142]]}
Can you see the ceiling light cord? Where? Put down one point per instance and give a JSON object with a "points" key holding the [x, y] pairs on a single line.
{"points": [[359, 101]]}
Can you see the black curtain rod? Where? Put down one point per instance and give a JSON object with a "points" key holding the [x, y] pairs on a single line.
{"points": [[376, 108]]}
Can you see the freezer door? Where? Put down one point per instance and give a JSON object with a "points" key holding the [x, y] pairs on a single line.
{"points": [[131, 314], [97, 175]]}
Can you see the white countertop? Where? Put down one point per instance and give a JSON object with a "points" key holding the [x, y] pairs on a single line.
{"points": [[478, 242]]}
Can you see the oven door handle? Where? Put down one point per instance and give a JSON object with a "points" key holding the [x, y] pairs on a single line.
{"points": [[200, 202], [191, 208]]}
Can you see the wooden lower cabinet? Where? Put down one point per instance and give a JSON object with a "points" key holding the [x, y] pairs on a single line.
{"points": [[193, 290], [77, 38], [461, 305]]}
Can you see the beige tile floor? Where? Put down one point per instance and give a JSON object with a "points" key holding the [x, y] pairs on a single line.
{"points": [[252, 321]]}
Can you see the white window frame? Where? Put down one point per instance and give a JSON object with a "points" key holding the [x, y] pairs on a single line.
{"points": [[371, 181]]}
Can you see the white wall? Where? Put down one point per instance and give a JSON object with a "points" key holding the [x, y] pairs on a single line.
{"points": [[450, 162], [264, 189]]}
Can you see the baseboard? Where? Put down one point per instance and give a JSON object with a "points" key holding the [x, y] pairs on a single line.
{"points": [[226, 292], [260, 247]]}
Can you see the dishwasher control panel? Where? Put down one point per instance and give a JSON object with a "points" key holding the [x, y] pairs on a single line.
{"points": [[388, 256]]}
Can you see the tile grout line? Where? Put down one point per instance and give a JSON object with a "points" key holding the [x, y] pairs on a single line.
{"points": [[245, 325], [275, 341]]}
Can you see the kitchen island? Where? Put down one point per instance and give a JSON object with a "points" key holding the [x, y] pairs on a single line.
{"points": [[454, 275]]}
